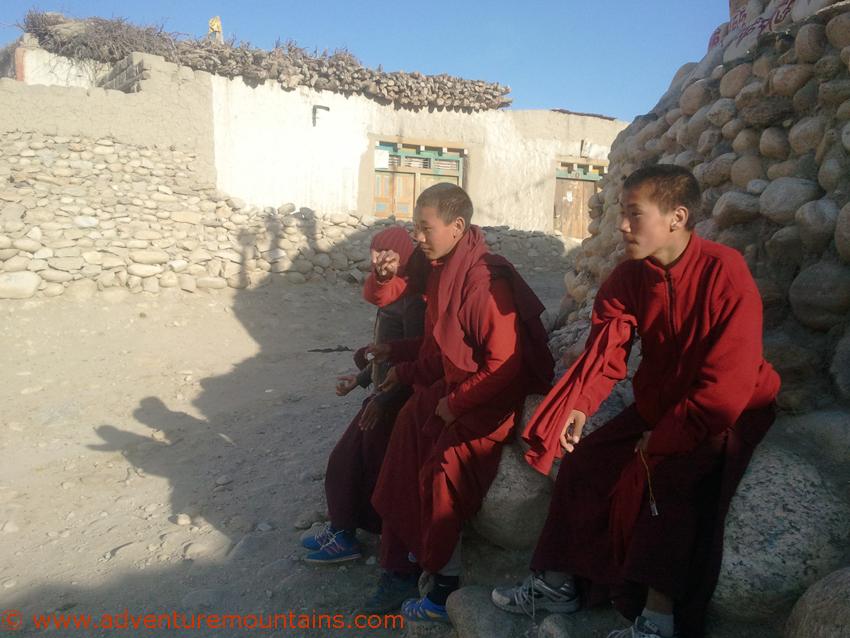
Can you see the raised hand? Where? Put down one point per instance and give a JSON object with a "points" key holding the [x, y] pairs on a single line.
{"points": [[385, 263]]}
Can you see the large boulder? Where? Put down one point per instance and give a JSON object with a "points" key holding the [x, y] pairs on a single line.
{"points": [[842, 233], [474, 615], [787, 527], [735, 208], [816, 221], [840, 370], [515, 508], [780, 201], [820, 295], [824, 610], [827, 431]]}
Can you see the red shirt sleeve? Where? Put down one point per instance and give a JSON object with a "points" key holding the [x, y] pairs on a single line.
{"points": [[607, 306], [422, 372], [502, 356], [404, 350]]}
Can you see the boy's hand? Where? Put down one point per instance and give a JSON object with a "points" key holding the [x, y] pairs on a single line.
{"points": [[572, 430], [345, 384], [391, 381], [385, 263], [377, 352], [443, 411], [643, 442], [371, 415]]}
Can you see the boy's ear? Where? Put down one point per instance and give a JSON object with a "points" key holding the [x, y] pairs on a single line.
{"points": [[679, 218], [460, 225]]}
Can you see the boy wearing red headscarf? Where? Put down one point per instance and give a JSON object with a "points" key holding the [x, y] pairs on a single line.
{"points": [[484, 350], [637, 512], [355, 462]]}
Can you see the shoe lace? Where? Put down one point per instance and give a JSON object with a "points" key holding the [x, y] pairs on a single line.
{"points": [[525, 596], [324, 535], [629, 632], [333, 543]]}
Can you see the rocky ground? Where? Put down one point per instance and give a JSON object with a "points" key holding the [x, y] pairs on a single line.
{"points": [[160, 454]]}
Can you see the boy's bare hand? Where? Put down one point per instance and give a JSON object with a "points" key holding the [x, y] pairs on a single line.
{"points": [[443, 411], [371, 415], [377, 352], [643, 442], [385, 263], [572, 430], [345, 384], [391, 381]]}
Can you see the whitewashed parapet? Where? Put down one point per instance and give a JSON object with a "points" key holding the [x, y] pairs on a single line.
{"points": [[116, 215]]}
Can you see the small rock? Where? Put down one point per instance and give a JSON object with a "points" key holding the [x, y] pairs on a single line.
{"points": [[264, 527], [18, 285], [183, 519], [224, 479], [10, 527]]}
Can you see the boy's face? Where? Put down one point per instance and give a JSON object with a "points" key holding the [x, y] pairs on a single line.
{"points": [[436, 238], [649, 232]]}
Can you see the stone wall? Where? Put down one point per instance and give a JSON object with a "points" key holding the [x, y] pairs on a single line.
{"points": [[82, 215], [767, 135], [173, 110]]}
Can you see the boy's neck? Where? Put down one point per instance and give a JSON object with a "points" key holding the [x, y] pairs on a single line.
{"points": [[674, 251]]}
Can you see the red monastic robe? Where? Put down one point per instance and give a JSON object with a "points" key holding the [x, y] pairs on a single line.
{"points": [[485, 349], [706, 393], [355, 462]]}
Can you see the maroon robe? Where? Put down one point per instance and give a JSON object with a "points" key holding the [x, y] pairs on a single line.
{"points": [[485, 350], [355, 462], [705, 392]]}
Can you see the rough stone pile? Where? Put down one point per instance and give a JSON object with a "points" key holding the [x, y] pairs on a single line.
{"points": [[110, 41], [768, 137], [96, 214]]}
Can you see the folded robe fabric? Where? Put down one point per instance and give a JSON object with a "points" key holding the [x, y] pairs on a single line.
{"points": [[544, 428]]}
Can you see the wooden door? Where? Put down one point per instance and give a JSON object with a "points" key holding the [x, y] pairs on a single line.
{"points": [[394, 194], [572, 215]]}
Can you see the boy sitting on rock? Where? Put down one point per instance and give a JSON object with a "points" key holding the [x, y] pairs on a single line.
{"points": [[355, 462], [638, 507], [484, 350]]}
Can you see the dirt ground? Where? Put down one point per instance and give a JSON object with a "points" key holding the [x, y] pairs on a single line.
{"points": [[119, 415], [161, 455]]}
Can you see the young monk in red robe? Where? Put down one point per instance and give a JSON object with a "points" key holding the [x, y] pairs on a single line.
{"points": [[355, 462], [638, 507], [484, 350]]}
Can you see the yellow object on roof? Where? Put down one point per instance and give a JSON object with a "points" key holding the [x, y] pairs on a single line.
{"points": [[215, 25]]}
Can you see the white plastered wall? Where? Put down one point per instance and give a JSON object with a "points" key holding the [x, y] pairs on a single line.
{"points": [[269, 152]]}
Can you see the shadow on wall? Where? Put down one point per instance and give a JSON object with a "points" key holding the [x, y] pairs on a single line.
{"points": [[237, 478]]}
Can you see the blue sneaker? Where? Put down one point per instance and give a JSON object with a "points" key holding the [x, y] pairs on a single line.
{"points": [[423, 610], [336, 550], [318, 539], [392, 592]]}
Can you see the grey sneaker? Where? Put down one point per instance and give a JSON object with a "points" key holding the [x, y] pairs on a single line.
{"points": [[534, 594], [643, 628]]}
